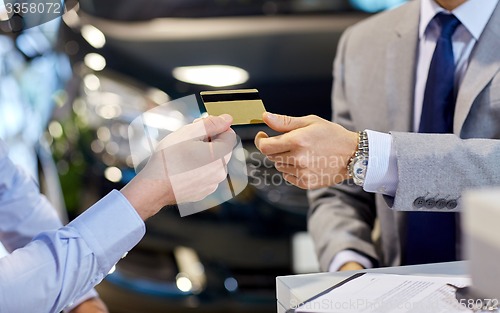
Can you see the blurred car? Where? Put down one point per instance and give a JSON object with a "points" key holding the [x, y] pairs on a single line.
{"points": [[131, 56]]}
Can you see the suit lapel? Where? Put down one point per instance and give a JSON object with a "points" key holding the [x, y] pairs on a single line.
{"points": [[401, 56], [484, 63]]}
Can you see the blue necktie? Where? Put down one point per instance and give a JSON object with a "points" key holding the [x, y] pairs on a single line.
{"points": [[431, 236], [439, 97]]}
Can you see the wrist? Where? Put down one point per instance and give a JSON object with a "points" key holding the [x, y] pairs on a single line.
{"points": [[351, 144], [358, 163], [351, 266], [148, 196]]}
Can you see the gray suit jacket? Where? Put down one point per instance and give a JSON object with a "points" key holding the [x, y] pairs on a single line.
{"points": [[374, 79]]}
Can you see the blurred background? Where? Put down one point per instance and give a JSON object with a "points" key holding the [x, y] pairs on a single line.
{"points": [[70, 87]]}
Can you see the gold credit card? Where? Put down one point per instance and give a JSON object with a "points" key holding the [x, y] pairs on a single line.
{"points": [[244, 105]]}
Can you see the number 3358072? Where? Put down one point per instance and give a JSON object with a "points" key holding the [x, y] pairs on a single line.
{"points": [[33, 8], [479, 303]]}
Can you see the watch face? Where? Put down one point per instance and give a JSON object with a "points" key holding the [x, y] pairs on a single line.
{"points": [[360, 164]]}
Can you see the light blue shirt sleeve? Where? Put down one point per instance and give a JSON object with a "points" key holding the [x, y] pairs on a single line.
{"points": [[61, 264], [25, 212]]}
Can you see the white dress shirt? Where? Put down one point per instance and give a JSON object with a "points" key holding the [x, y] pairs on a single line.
{"points": [[382, 171]]}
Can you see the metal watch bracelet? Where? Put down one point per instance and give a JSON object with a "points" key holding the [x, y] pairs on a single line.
{"points": [[358, 163]]}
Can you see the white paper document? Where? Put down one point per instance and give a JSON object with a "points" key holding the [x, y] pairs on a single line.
{"points": [[387, 293]]}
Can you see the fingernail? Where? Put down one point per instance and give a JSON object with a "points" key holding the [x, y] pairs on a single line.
{"points": [[271, 116], [227, 117]]}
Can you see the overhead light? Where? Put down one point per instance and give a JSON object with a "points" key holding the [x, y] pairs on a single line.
{"points": [[95, 61], [93, 36], [211, 75]]}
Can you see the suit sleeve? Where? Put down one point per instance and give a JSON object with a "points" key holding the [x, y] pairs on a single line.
{"points": [[442, 166], [60, 264], [341, 217]]}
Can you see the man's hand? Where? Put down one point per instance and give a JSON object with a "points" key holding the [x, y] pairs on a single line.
{"points": [[92, 305], [312, 152], [187, 166]]}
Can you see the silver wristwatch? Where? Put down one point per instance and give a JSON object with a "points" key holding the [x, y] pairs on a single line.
{"points": [[358, 163]]}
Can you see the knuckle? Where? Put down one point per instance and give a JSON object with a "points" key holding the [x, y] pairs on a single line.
{"points": [[287, 120], [304, 179], [311, 117], [280, 167], [276, 158], [297, 141], [302, 161], [210, 125]]}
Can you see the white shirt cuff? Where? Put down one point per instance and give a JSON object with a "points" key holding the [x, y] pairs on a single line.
{"points": [[348, 256], [382, 170]]}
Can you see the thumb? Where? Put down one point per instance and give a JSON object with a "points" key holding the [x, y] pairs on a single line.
{"points": [[283, 123], [215, 125]]}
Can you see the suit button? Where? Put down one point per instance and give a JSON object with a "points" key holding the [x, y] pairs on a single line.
{"points": [[419, 202], [430, 203], [451, 204], [441, 203]]}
